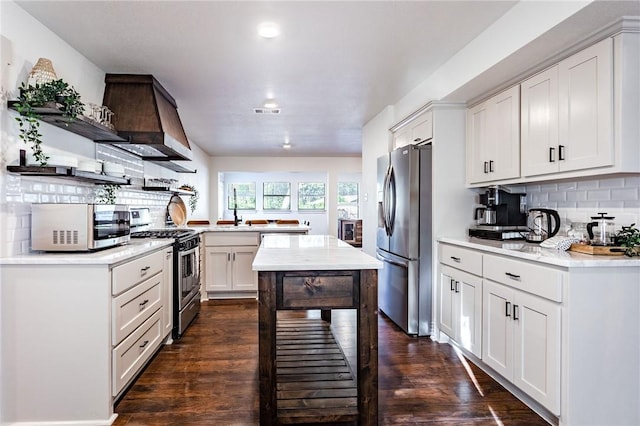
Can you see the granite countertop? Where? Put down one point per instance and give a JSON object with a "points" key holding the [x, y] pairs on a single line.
{"points": [[310, 252], [530, 251], [109, 257], [253, 228]]}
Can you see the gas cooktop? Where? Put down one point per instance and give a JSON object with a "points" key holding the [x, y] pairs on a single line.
{"points": [[163, 233]]}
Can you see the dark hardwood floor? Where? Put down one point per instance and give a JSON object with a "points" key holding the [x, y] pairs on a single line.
{"points": [[210, 377]]}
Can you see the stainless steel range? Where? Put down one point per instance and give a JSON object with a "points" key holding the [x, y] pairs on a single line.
{"points": [[186, 268]]}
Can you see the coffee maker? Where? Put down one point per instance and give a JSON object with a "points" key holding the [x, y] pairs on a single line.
{"points": [[502, 215]]}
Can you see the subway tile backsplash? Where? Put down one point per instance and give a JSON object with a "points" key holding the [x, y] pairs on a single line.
{"points": [[577, 201]]}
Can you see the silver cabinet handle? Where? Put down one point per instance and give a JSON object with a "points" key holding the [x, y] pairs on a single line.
{"points": [[451, 284], [142, 304], [455, 259], [507, 309], [143, 271], [457, 290], [146, 342], [512, 276], [515, 312]]}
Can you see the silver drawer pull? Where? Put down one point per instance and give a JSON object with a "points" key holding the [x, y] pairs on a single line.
{"points": [[512, 276], [146, 342], [455, 259], [144, 270]]}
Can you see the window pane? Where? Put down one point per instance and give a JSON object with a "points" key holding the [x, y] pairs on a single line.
{"points": [[348, 200], [245, 196], [277, 188], [311, 196]]}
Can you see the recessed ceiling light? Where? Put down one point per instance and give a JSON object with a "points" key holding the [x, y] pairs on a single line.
{"points": [[270, 103], [268, 30], [286, 145]]}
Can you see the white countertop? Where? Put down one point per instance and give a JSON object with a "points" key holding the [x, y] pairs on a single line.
{"points": [[310, 252], [272, 227], [530, 251], [109, 256]]}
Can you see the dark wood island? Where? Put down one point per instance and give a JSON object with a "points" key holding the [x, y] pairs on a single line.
{"points": [[302, 272]]}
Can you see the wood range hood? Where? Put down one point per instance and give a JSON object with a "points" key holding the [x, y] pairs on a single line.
{"points": [[147, 116]]}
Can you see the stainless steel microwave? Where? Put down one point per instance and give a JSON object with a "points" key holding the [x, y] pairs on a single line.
{"points": [[78, 227]]}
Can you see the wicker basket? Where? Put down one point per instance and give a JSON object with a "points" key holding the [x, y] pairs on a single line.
{"points": [[42, 72]]}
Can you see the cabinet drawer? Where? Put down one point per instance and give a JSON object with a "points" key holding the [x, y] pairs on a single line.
{"points": [[134, 306], [131, 273], [313, 291], [535, 279], [130, 355], [230, 238], [461, 258]]}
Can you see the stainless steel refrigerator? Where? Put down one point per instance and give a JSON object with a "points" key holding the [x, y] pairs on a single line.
{"points": [[404, 237]]}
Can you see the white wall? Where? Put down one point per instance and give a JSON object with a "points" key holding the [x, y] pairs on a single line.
{"points": [[334, 167]]}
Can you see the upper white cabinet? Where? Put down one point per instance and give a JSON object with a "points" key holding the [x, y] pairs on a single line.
{"points": [[493, 138], [577, 118], [567, 114], [417, 131]]}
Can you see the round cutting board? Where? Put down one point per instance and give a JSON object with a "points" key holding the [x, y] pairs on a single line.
{"points": [[177, 210]]}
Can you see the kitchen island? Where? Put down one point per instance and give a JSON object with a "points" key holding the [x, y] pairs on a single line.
{"points": [[300, 272]]}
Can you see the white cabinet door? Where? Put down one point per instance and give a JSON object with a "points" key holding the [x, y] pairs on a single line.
{"points": [[218, 269], [497, 330], [422, 130], [244, 278], [402, 138], [539, 123], [447, 302], [469, 318], [167, 302], [477, 162], [537, 349], [586, 108], [493, 138], [504, 135]]}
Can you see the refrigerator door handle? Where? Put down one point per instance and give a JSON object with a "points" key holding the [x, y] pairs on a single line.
{"points": [[391, 261], [392, 199], [385, 201]]}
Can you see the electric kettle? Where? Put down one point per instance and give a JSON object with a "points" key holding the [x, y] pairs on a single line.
{"points": [[542, 224]]}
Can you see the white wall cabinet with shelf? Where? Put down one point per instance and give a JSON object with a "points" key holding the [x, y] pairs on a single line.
{"points": [[416, 131]]}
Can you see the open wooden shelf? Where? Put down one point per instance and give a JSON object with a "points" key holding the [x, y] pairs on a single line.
{"points": [[68, 173], [81, 125]]}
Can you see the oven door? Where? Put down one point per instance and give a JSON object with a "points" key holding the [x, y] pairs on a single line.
{"points": [[188, 275]]}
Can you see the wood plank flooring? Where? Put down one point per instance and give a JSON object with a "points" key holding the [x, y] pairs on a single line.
{"points": [[210, 377]]}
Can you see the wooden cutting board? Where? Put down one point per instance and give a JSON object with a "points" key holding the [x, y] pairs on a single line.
{"points": [[597, 250]]}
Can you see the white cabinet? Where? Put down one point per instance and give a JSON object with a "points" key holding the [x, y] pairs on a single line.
{"points": [[167, 292], [521, 331], [417, 130], [493, 138], [567, 114], [461, 308], [586, 105], [229, 269], [228, 260]]}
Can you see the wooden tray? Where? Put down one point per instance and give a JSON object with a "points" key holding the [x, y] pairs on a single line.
{"points": [[597, 250]]}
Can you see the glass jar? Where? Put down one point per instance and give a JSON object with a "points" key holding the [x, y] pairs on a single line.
{"points": [[578, 230]]}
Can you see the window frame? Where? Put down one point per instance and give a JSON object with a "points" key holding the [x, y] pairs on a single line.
{"points": [[230, 187], [303, 197], [355, 204], [265, 196]]}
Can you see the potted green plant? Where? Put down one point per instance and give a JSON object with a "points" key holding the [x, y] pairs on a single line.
{"points": [[193, 199], [106, 194], [629, 238], [57, 94]]}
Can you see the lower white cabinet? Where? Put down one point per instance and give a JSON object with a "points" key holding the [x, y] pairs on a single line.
{"points": [[167, 292], [521, 341], [229, 269], [461, 308]]}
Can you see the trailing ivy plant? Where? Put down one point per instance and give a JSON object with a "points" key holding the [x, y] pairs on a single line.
{"points": [[193, 199], [55, 92], [629, 238], [106, 194]]}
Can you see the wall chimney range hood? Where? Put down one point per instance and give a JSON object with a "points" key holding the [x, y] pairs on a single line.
{"points": [[146, 115]]}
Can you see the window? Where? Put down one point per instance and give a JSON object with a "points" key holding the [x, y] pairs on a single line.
{"points": [[311, 196], [348, 200], [245, 196], [276, 196]]}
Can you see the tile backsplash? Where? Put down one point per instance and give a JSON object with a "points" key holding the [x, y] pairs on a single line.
{"points": [[577, 201]]}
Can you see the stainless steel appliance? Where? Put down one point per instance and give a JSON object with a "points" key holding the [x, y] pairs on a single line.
{"points": [[404, 238], [542, 224], [605, 233], [502, 215], [186, 269], [78, 227]]}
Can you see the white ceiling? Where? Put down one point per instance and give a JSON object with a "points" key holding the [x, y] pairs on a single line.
{"points": [[335, 65]]}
